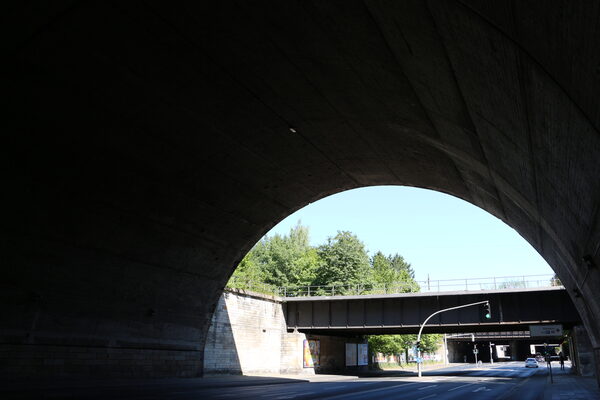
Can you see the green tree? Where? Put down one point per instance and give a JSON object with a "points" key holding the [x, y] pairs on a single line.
{"points": [[286, 260], [430, 342], [395, 344], [386, 344], [383, 273], [344, 261], [393, 272], [248, 274]]}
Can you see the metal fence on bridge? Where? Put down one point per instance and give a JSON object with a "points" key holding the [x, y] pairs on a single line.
{"points": [[445, 285], [427, 286]]}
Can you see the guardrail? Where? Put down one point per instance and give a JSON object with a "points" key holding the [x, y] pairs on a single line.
{"points": [[427, 286], [467, 284], [488, 335]]}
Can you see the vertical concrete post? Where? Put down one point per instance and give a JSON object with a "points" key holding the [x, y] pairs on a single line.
{"points": [[584, 352]]}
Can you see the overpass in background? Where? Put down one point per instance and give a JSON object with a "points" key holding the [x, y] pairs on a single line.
{"points": [[512, 310]]}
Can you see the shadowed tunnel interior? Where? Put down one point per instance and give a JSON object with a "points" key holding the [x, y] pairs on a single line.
{"points": [[151, 144]]}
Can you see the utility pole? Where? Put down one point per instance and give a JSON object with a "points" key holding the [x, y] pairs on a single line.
{"points": [[488, 315], [491, 353], [445, 349]]}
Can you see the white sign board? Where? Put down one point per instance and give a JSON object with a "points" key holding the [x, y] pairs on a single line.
{"points": [[545, 330], [351, 356], [363, 354]]}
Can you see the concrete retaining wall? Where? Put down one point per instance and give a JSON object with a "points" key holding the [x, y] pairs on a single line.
{"points": [[248, 335]]}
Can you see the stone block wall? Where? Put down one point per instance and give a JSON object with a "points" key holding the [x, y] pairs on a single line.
{"points": [[292, 347], [248, 335]]}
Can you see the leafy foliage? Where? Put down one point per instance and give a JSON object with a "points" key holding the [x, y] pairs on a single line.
{"points": [[279, 261], [387, 344], [396, 344], [290, 261], [345, 261], [391, 271], [430, 342], [247, 273]]}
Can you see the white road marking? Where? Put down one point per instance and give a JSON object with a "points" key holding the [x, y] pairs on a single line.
{"points": [[427, 387], [462, 386], [369, 391], [483, 388]]}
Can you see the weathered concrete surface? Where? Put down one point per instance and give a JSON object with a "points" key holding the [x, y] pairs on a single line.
{"points": [[584, 353], [149, 147], [248, 336]]}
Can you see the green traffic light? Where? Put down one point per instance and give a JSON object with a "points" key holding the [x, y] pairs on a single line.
{"points": [[488, 310]]}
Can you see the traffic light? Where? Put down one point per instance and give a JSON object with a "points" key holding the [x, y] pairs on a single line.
{"points": [[487, 310], [418, 346]]}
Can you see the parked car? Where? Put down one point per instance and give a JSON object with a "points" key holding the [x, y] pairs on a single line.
{"points": [[531, 363]]}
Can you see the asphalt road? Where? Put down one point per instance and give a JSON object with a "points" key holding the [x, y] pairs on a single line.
{"points": [[501, 381]]}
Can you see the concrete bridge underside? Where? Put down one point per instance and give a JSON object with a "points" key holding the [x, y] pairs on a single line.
{"points": [[151, 144], [404, 313]]}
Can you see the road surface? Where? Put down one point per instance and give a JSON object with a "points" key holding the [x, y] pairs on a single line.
{"points": [[500, 381]]}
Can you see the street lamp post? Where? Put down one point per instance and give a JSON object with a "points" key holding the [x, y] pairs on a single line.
{"points": [[488, 315]]}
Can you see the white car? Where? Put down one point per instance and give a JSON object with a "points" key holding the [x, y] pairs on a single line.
{"points": [[531, 363]]}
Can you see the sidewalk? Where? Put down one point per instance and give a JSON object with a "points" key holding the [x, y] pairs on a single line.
{"points": [[570, 386]]}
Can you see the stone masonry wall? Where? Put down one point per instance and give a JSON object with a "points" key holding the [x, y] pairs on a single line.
{"points": [[248, 335]]}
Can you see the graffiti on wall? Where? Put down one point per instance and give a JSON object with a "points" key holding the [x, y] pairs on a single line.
{"points": [[312, 353]]}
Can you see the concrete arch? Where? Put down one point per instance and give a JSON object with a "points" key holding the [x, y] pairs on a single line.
{"points": [[152, 144]]}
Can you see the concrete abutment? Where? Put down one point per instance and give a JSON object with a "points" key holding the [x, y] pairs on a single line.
{"points": [[248, 335]]}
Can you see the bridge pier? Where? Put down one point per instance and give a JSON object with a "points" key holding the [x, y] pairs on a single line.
{"points": [[585, 357]]}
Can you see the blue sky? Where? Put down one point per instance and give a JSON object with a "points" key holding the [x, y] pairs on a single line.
{"points": [[437, 234]]}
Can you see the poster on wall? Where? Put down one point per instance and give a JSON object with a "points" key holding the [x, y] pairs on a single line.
{"points": [[351, 354], [363, 354], [311, 353]]}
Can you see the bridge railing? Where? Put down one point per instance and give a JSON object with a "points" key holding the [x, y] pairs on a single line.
{"points": [[488, 335], [445, 285]]}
